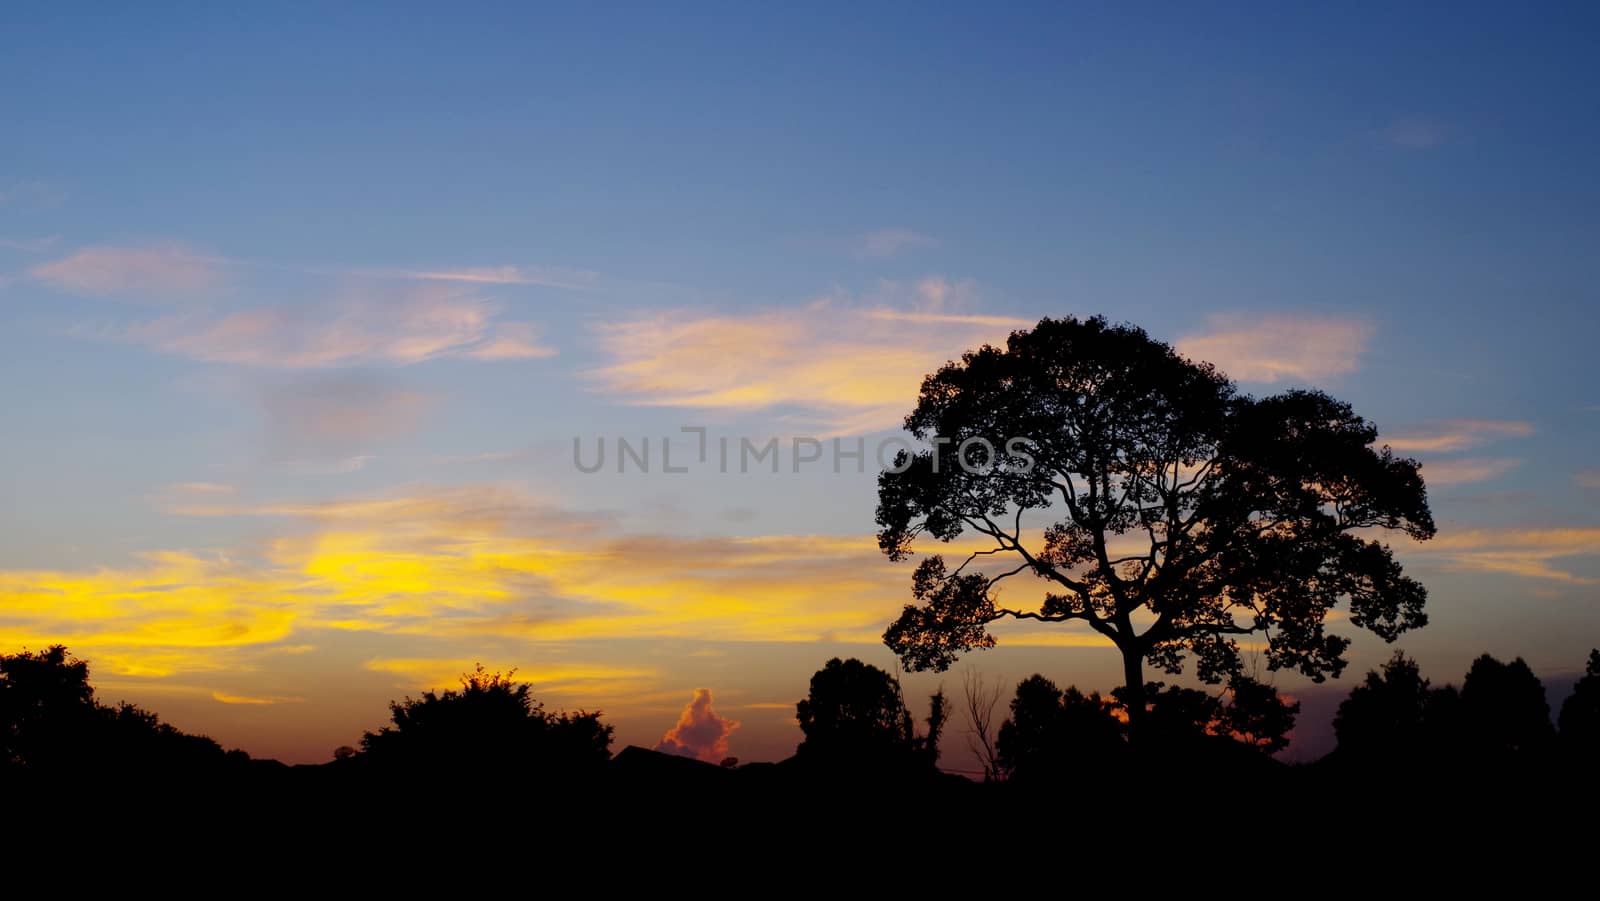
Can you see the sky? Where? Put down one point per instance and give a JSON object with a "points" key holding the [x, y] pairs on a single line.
{"points": [[305, 310]]}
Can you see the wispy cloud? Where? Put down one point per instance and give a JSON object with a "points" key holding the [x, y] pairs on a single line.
{"points": [[1467, 469], [592, 680], [330, 417], [1527, 552], [1588, 478], [1276, 348], [887, 242], [700, 732], [422, 324], [546, 276], [1417, 133], [841, 366], [458, 565], [223, 697], [1453, 435], [156, 272], [30, 245]]}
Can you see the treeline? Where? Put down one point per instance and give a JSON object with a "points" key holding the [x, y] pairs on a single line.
{"points": [[855, 723]]}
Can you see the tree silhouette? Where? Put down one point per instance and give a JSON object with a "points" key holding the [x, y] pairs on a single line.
{"points": [[1504, 710], [1387, 717], [1053, 733], [51, 723], [1249, 712], [855, 715], [1192, 514], [490, 727], [1580, 713]]}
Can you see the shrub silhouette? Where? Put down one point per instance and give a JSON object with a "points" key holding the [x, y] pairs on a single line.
{"points": [[490, 727]]}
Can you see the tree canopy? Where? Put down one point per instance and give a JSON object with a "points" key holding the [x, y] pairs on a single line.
{"points": [[1181, 513], [50, 722], [491, 725], [855, 714]]}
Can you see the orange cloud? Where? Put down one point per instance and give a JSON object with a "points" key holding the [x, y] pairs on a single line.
{"points": [[841, 368], [699, 732], [154, 271], [1275, 348], [1527, 552], [1589, 478], [1458, 434]]}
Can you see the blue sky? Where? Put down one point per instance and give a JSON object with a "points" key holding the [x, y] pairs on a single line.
{"points": [[261, 267]]}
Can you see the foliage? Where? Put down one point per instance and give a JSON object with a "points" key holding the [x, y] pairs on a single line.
{"points": [[855, 714], [1580, 713], [50, 722], [491, 725]]}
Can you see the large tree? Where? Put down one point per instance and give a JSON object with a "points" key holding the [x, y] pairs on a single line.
{"points": [[1183, 514]]}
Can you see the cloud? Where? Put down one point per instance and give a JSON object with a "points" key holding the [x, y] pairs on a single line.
{"points": [[223, 697], [1276, 348], [1417, 133], [500, 275], [589, 680], [1453, 435], [1589, 478], [167, 271], [209, 489], [832, 365], [699, 732], [887, 242], [29, 245], [338, 414], [426, 323], [1467, 469], [1527, 552], [460, 567]]}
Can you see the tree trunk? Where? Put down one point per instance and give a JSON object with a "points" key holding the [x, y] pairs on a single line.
{"points": [[1133, 691]]}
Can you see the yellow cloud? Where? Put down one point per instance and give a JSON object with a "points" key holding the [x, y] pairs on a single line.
{"points": [[844, 368], [223, 697], [464, 565], [1277, 348]]}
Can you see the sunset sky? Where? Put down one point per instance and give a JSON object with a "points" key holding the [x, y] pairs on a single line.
{"points": [[301, 312]]}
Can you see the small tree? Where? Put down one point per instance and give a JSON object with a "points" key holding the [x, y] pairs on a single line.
{"points": [[856, 715], [1503, 708], [1053, 733], [1386, 717], [1580, 713], [1189, 514]]}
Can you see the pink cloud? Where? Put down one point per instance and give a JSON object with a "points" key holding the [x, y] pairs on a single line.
{"points": [[700, 732], [154, 271], [1277, 348]]}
